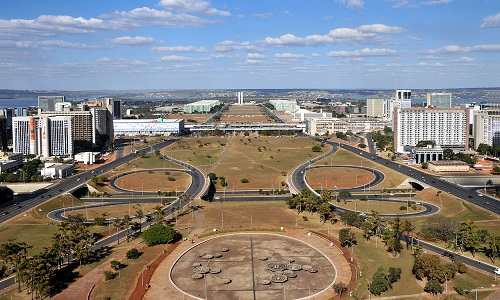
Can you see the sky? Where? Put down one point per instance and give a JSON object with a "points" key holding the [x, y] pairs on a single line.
{"points": [[249, 44]]}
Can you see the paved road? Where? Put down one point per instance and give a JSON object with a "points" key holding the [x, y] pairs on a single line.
{"points": [[197, 187], [75, 181], [440, 184], [371, 144], [378, 177]]}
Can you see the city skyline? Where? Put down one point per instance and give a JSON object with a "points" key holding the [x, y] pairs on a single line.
{"points": [[181, 44]]}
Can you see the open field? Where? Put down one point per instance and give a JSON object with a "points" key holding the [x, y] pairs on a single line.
{"points": [[340, 178], [343, 157], [35, 228], [382, 207], [115, 211], [153, 181], [244, 114], [190, 118], [264, 161]]}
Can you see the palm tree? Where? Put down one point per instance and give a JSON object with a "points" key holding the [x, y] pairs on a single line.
{"points": [[139, 214], [14, 254], [159, 214], [117, 224], [126, 223]]}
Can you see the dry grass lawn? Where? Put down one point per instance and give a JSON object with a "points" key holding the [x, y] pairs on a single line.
{"points": [[382, 207], [344, 157], [154, 181], [244, 114], [115, 211], [341, 178], [189, 118]]}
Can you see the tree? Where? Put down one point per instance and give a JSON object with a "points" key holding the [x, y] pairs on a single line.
{"points": [[347, 238], [344, 195], [492, 247], [139, 214], [407, 228], [380, 283], [133, 253], [392, 236], [433, 287], [448, 154], [467, 238], [14, 254], [484, 149], [159, 214], [126, 221], [351, 218], [158, 234], [324, 211], [340, 288], [7, 194]]}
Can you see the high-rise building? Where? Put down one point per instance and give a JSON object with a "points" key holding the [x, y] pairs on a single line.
{"points": [[48, 103], [447, 128], [25, 135], [102, 126], [57, 137], [240, 98], [63, 106], [3, 133], [439, 100], [486, 129], [402, 99], [21, 111], [81, 124], [376, 107]]}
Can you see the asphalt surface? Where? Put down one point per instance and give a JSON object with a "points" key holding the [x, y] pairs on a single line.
{"points": [[460, 192], [379, 177], [73, 182], [196, 188]]}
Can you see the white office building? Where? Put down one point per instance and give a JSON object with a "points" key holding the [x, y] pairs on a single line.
{"points": [[203, 106], [87, 158], [439, 100], [447, 128], [57, 170], [402, 100], [376, 108], [487, 127], [148, 127], [321, 126], [25, 135]]}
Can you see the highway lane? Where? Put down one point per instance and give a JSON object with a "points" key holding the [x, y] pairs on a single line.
{"points": [[460, 192], [75, 181], [196, 189]]}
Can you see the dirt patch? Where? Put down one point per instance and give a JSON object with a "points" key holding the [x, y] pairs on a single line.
{"points": [[153, 181], [114, 211], [341, 178]]}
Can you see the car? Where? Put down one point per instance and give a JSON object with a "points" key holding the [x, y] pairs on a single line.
{"points": [[497, 271], [5, 213]]}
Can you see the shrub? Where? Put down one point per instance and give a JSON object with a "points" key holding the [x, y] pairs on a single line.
{"points": [[244, 180], [159, 234], [108, 275], [171, 178], [433, 287], [394, 274], [379, 283], [461, 267], [316, 148], [133, 253], [116, 265], [461, 290], [402, 207]]}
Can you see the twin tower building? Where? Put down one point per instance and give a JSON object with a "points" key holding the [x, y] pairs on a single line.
{"points": [[58, 130]]}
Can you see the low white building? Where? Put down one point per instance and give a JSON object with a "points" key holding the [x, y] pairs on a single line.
{"points": [[57, 170], [203, 106], [285, 105], [87, 158], [10, 161], [303, 115], [321, 126], [134, 127]]}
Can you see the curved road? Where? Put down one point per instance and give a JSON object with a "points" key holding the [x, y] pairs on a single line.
{"points": [[429, 209], [70, 183]]}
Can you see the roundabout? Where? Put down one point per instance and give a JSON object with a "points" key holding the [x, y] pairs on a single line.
{"points": [[254, 266]]}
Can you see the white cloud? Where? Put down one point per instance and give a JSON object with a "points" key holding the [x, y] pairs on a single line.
{"points": [[365, 52], [120, 62], [175, 58], [437, 2], [430, 64], [253, 61], [263, 15], [464, 59], [143, 16], [361, 33], [491, 21], [178, 49], [50, 24], [230, 46], [194, 6], [133, 40], [417, 3], [65, 44], [254, 55], [289, 56], [352, 3], [454, 49]]}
